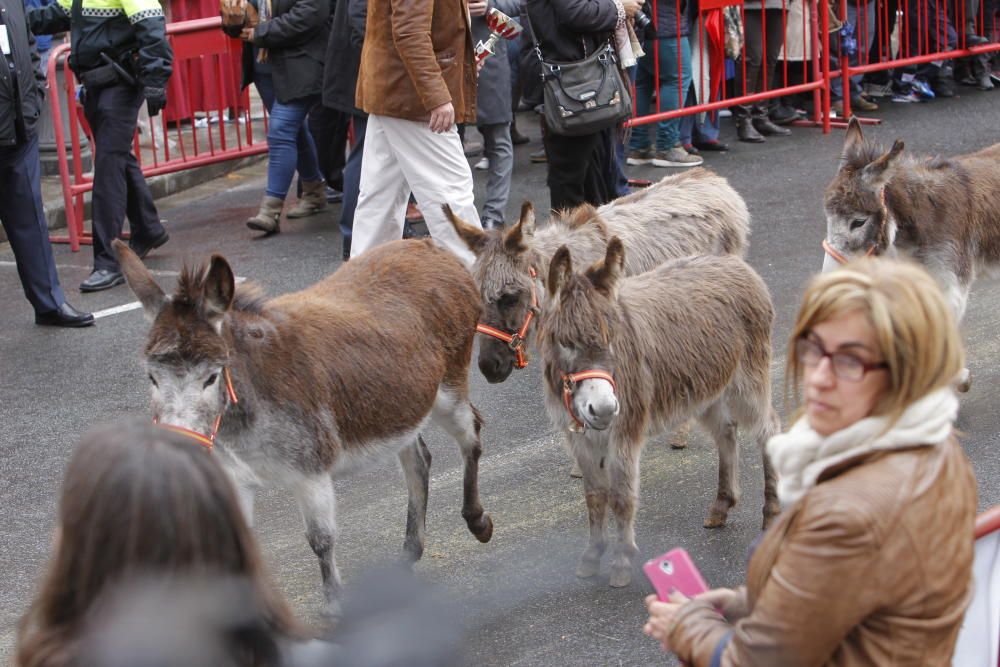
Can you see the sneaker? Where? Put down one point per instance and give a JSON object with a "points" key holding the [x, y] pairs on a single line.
{"points": [[483, 164], [639, 156], [878, 90], [539, 155], [922, 89], [906, 98], [691, 150], [676, 157]]}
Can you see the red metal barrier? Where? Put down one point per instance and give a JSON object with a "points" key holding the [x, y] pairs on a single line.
{"points": [[204, 136], [925, 31], [988, 522], [814, 74]]}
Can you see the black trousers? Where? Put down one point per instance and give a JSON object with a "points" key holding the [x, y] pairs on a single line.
{"points": [[581, 169], [23, 219], [760, 26], [119, 186], [329, 128]]}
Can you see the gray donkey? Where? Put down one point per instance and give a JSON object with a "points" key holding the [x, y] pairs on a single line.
{"points": [[693, 213], [305, 387], [626, 357], [942, 212]]}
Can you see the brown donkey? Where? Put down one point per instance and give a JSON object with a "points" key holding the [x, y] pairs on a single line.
{"points": [[305, 387], [943, 212], [626, 357], [693, 213]]}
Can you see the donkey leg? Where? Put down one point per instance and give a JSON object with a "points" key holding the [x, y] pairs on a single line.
{"points": [[245, 497], [416, 461], [595, 488], [462, 422], [624, 496], [317, 504], [575, 472], [718, 422]]}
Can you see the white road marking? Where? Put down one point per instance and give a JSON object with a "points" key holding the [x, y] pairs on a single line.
{"points": [[107, 312], [155, 272]]}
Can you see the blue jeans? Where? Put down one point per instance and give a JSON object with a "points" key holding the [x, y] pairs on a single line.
{"points": [[290, 146], [700, 127], [669, 91], [352, 179], [864, 33]]}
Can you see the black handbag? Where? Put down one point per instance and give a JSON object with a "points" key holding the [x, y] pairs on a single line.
{"points": [[585, 96]]}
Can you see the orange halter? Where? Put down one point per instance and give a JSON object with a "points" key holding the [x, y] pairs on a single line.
{"points": [[515, 341], [206, 441], [833, 252], [570, 380]]}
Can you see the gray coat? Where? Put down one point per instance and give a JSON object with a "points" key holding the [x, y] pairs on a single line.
{"points": [[493, 100]]}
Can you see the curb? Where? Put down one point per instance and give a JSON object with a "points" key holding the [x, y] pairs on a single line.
{"points": [[161, 186]]}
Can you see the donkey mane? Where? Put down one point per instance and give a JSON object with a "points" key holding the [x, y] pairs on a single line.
{"points": [[248, 298]]}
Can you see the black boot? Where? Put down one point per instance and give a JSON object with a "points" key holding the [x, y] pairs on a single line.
{"points": [[744, 126], [763, 124]]}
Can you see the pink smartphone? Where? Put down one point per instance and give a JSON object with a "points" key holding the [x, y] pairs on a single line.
{"points": [[672, 571]]}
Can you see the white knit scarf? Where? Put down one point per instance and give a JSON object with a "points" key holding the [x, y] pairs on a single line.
{"points": [[801, 455]]}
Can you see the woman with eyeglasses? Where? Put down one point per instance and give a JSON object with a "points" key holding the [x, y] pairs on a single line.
{"points": [[871, 561]]}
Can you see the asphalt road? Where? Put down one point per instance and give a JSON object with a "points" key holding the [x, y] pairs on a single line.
{"points": [[518, 595]]}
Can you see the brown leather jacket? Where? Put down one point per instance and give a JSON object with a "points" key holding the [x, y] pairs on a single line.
{"points": [[873, 566], [417, 56]]}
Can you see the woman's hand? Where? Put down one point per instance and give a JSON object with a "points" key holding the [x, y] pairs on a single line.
{"points": [[661, 616], [631, 7], [247, 34], [233, 12]]}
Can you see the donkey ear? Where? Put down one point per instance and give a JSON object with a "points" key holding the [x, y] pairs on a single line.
{"points": [[473, 236], [560, 269], [854, 142], [220, 289], [521, 234], [605, 274], [140, 280], [880, 171]]}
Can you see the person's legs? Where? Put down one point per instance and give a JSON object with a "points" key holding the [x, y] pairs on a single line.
{"points": [[282, 135], [23, 218], [640, 141], [675, 79], [352, 182], [383, 191], [570, 166], [112, 113], [500, 152], [436, 169]]}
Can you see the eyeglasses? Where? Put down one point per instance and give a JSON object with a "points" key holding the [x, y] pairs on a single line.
{"points": [[845, 365]]}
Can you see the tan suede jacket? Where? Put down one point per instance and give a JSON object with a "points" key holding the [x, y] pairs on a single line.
{"points": [[873, 566], [417, 56]]}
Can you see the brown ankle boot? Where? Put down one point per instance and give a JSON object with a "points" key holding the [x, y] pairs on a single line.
{"points": [[313, 200], [762, 123], [268, 217]]}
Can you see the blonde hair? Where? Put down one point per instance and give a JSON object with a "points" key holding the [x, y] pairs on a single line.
{"points": [[916, 330]]}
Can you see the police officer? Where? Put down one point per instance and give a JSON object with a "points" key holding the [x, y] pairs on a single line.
{"points": [[21, 93], [121, 56]]}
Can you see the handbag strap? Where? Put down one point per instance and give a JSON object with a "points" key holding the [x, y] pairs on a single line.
{"points": [[534, 38]]}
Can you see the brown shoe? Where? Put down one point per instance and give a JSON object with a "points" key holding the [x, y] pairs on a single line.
{"points": [[268, 218], [312, 201]]}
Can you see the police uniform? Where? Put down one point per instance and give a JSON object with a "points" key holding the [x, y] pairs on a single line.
{"points": [[21, 95], [121, 55]]}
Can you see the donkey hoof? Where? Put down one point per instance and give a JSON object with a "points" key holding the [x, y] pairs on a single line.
{"points": [[678, 443], [716, 518], [963, 382], [771, 510], [413, 551], [588, 568], [620, 577], [482, 528], [576, 473]]}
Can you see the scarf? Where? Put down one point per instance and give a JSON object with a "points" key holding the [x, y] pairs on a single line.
{"points": [[801, 455]]}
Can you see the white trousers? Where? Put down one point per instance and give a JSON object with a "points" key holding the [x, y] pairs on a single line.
{"points": [[404, 155]]}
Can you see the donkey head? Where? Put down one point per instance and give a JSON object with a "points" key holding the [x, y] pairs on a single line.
{"points": [[502, 269], [580, 329], [187, 348], [857, 219]]}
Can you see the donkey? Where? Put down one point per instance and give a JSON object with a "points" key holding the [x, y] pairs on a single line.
{"points": [[303, 388], [693, 213], [626, 357], [943, 213]]}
